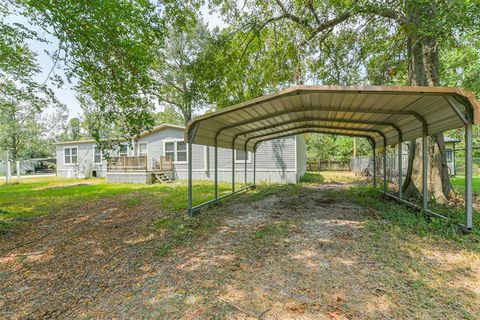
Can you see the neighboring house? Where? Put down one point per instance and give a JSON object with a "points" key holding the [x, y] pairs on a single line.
{"points": [[281, 160], [450, 155]]}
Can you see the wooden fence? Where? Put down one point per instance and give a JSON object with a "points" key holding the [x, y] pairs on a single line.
{"points": [[315, 165]]}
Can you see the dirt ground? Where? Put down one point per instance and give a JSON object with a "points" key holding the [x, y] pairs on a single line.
{"points": [[300, 255]]}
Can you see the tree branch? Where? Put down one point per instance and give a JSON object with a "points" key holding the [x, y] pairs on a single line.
{"points": [[291, 16], [312, 10], [381, 11], [327, 25]]}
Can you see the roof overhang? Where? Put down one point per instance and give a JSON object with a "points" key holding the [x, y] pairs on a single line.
{"points": [[384, 115], [142, 135]]}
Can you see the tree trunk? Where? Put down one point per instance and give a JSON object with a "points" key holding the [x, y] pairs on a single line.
{"points": [[423, 70]]}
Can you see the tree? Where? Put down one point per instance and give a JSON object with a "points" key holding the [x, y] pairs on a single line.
{"points": [[398, 42], [74, 129], [107, 47], [179, 77], [25, 129], [168, 115]]}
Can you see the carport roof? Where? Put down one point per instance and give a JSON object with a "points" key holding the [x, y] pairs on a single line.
{"points": [[385, 115]]}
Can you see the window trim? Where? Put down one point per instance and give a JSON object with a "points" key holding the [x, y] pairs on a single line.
{"points": [[146, 149], [119, 151], [175, 150], [249, 157], [71, 163], [449, 154], [101, 155]]}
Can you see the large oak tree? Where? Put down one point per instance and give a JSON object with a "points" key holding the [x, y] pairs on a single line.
{"points": [[372, 42]]}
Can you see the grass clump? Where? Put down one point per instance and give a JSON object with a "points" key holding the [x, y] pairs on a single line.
{"points": [[271, 233], [180, 231], [131, 202], [402, 221]]}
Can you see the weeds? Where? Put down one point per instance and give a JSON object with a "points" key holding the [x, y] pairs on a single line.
{"points": [[180, 231], [271, 233]]}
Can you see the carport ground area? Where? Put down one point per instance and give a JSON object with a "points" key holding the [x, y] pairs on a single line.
{"points": [[328, 248]]}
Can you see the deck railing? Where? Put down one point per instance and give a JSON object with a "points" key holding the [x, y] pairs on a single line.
{"points": [[139, 163], [163, 164]]}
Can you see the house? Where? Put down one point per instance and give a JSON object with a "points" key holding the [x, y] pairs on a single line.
{"points": [[450, 155], [162, 150]]}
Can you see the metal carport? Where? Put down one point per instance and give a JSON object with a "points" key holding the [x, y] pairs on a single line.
{"points": [[383, 115]]}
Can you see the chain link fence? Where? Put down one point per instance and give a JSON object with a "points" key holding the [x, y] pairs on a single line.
{"points": [[455, 161], [27, 167]]}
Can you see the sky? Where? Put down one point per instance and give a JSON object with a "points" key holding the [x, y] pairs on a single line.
{"points": [[66, 94]]}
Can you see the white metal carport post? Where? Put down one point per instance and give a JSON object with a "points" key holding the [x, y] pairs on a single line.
{"points": [[216, 171], [190, 135], [424, 172], [385, 167], [246, 157], [233, 168], [400, 170], [374, 165], [468, 176], [254, 167]]}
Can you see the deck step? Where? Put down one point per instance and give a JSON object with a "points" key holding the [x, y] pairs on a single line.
{"points": [[162, 178]]}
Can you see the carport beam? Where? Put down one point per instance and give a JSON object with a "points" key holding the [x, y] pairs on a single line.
{"points": [[468, 177]]}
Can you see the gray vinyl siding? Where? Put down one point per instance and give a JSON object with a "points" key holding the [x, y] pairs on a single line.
{"points": [[277, 160], [301, 153], [155, 144], [84, 167]]}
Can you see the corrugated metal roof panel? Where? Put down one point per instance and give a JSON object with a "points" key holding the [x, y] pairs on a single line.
{"points": [[380, 111]]}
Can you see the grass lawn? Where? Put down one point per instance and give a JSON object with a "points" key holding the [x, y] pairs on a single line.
{"points": [[458, 183], [20, 202]]}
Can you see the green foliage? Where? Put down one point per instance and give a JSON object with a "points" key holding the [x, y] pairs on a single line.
{"points": [[26, 129], [181, 77], [329, 147], [17, 61], [168, 115], [460, 63], [107, 47]]}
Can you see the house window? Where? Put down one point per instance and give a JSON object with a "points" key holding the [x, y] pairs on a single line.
{"points": [[97, 155], [240, 156], [123, 150], [70, 155], [142, 149], [449, 154], [177, 150]]}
